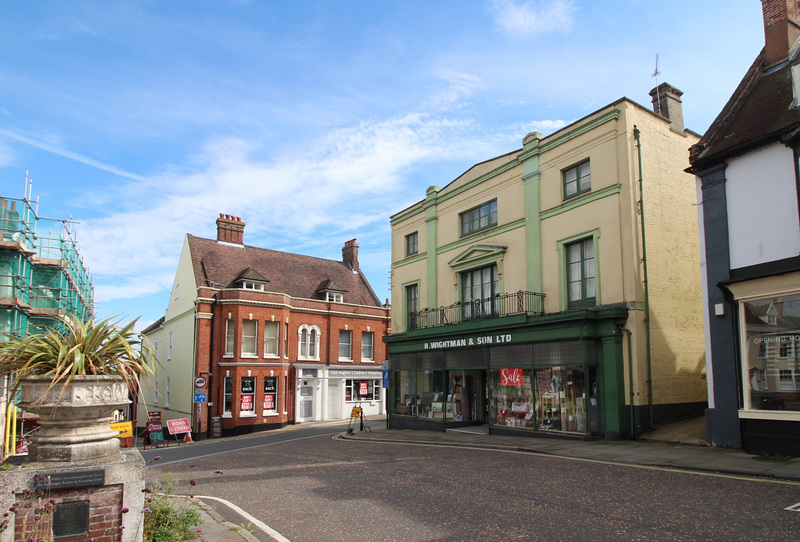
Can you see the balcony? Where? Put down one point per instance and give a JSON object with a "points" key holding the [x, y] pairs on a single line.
{"points": [[500, 305]]}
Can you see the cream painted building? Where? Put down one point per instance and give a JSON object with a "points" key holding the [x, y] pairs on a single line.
{"points": [[557, 287]]}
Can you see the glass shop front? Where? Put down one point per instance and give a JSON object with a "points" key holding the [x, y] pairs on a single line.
{"points": [[545, 387]]}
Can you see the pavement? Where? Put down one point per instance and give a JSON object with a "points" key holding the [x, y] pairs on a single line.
{"points": [[680, 445]]}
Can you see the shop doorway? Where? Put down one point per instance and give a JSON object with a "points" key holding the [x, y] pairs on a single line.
{"points": [[465, 399], [306, 402]]}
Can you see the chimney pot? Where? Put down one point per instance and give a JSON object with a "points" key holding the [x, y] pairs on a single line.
{"points": [[230, 230]]}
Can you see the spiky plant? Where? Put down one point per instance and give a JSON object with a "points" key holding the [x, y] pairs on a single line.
{"points": [[78, 348]]}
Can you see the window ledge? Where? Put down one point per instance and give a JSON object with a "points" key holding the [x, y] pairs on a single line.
{"points": [[345, 360], [271, 356], [227, 415], [247, 414], [269, 414], [367, 361], [250, 356], [227, 355]]}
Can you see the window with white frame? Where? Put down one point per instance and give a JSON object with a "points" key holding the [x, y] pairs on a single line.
{"points": [[252, 286], [155, 392], [248, 396], [770, 370], [270, 407], [166, 394], [367, 350], [249, 334], [308, 346], [229, 336], [362, 390], [334, 297], [271, 330], [345, 344], [169, 346], [580, 273], [286, 341], [227, 402]]}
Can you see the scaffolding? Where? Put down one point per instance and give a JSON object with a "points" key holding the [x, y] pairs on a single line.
{"points": [[42, 275]]}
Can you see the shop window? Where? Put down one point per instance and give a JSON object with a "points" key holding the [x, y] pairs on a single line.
{"points": [[367, 351], [577, 180], [227, 402], [270, 396], [580, 273], [248, 396], [412, 243], [345, 345], [477, 219], [768, 353], [309, 342], [361, 390], [249, 333], [478, 287], [412, 305], [229, 331], [271, 339]]}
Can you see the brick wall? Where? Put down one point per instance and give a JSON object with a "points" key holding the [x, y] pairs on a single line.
{"points": [[105, 516]]}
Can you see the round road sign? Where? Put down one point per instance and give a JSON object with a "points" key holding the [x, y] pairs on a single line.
{"points": [[199, 382]]}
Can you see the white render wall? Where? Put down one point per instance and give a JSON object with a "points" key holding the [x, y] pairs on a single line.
{"points": [[763, 223]]}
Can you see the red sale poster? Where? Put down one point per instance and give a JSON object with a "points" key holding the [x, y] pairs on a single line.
{"points": [[511, 377], [269, 401]]}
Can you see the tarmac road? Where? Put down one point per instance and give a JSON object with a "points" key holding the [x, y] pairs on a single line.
{"points": [[316, 488]]}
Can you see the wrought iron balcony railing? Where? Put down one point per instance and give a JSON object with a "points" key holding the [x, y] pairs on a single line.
{"points": [[480, 309]]}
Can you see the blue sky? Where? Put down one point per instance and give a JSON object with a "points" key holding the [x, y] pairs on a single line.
{"points": [[313, 121]]}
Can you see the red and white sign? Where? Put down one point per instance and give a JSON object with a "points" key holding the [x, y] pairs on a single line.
{"points": [[269, 401], [178, 426], [247, 402], [363, 388], [200, 382], [511, 377]]}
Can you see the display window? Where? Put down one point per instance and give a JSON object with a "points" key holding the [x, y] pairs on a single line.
{"points": [[248, 396], [270, 407], [362, 390], [512, 397], [771, 353]]}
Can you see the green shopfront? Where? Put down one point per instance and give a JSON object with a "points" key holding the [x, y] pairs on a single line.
{"points": [[559, 374]]}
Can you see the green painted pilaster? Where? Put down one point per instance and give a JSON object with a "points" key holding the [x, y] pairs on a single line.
{"points": [[611, 388], [431, 220], [531, 177]]}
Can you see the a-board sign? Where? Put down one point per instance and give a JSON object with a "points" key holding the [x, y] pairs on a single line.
{"points": [[356, 412], [178, 426], [154, 416], [125, 429], [155, 432]]}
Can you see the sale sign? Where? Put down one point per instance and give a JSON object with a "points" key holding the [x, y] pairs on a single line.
{"points": [[269, 401], [363, 388], [511, 377], [247, 402]]}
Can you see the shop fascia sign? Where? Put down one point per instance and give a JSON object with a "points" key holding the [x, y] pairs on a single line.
{"points": [[465, 342], [351, 374]]}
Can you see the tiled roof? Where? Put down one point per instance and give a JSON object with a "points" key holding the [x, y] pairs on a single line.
{"points": [[218, 265], [758, 112]]}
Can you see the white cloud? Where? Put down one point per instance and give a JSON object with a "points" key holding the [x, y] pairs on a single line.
{"points": [[527, 19]]}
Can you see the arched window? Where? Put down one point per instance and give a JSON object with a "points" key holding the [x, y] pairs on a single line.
{"points": [[308, 338]]}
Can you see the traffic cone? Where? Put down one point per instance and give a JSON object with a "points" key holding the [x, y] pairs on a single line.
{"points": [[188, 439]]}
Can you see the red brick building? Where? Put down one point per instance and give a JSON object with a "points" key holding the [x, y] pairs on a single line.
{"points": [[278, 338]]}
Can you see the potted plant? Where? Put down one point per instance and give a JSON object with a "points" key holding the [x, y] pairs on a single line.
{"points": [[75, 376]]}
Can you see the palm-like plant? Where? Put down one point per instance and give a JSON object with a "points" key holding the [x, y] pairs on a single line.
{"points": [[78, 348]]}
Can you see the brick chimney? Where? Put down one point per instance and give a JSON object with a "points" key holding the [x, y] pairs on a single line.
{"points": [[230, 229], [667, 103], [781, 28], [350, 254]]}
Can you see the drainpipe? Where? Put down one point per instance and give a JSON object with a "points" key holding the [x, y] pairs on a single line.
{"points": [[637, 134], [630, 372]]}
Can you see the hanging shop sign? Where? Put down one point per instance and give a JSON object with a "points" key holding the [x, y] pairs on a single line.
{"points": [[511, 377], [464, 342]]}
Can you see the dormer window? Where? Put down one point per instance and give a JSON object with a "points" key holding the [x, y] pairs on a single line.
{"points": [[252, 286], [330, 292], [334, 297]]}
